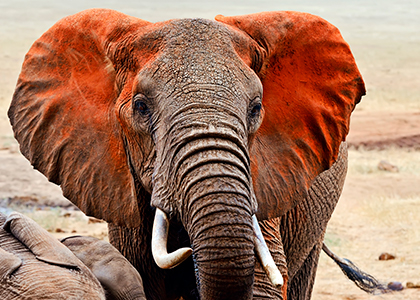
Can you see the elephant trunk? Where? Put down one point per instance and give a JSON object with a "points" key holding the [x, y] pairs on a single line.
{"points": [[216, 210], [214, 199], [223, 248], [224, 255]]}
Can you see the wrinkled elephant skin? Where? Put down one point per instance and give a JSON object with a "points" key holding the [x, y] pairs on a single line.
{"points": [[118, 277], [34, 265], [211, 122]]}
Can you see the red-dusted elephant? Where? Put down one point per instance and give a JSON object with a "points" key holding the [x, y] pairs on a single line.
{"points": [[206, 123]]}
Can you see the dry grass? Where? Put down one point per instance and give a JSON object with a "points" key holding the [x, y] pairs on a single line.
{"points": [[53, 220], [63, 223], [365, 162], [395, 100], [378, 212]]}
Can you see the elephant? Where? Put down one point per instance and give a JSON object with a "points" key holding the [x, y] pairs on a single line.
{"points": [[119, 279], [214, 149], [35, 265]]}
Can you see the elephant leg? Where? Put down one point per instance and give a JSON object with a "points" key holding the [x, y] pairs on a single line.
{"points": [[301, 285], [302, 228], [263, 288]]}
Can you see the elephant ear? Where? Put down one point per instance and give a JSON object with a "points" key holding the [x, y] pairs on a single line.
{"points": [[39, 241], [64, 112], [9, 262], [311, 85]]}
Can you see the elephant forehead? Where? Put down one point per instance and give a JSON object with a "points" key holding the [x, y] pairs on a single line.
{"points": [[197, 33], [200, 51], [197, 57], [193, 42], [197, 71]]}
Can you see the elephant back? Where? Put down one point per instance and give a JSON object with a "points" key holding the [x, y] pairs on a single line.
{"points": [[26, 276]]}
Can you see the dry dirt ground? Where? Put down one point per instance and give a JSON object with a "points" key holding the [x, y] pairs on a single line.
{"points": [[379, 209]]}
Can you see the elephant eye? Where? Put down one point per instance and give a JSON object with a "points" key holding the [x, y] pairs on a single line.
{"points": [[255, 111], [141, 107]]}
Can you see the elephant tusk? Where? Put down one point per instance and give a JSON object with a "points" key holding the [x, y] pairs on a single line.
{"points": [[265, 257], [160, 253]]}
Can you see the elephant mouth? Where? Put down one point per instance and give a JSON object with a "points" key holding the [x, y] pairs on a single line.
{"points": [[167, 260]]}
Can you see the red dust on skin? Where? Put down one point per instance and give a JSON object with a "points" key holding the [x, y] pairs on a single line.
{"points": [[309, 93], [88, 63], [311, 86]]}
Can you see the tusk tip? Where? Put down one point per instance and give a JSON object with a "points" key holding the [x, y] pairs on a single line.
{"points": [[186, 252], [277, 282], [173, 259], [275, 276]]}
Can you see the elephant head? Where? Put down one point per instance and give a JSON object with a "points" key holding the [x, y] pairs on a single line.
{"points": [[214, 121], [118, 277]]}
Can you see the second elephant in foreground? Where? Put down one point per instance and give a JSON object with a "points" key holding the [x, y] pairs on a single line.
{"points": [[219, 130], [118, 277], [35, 265]]}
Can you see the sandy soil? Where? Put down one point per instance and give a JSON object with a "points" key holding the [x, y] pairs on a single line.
{"points": [[378, 211]]}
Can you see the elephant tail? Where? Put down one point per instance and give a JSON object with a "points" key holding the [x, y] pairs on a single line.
{"points": [[363, 280]]}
